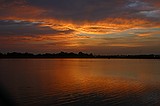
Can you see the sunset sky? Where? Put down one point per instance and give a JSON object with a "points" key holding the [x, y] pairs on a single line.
{"points": [[92, 26]]}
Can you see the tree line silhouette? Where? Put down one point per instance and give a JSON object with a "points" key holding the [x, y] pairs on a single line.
{"points": [[74, 55]]}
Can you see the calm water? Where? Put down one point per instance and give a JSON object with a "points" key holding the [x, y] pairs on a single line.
{"points": [[81, 82]]}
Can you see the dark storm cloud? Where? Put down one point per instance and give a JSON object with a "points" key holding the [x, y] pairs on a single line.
{"points": [[80, 10], [21, 28], [11, 9], [93, 10]]}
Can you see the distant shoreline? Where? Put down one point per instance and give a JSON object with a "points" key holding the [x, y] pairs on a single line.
{"points": [[80, 55], [71, 58]]}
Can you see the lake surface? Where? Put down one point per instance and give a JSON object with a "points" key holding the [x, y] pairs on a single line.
{"points": [[80, 82]]}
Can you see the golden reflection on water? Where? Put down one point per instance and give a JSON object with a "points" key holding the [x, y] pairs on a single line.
{"points": [[84, 81], [78, 75], [75, 80], [108, 79]]}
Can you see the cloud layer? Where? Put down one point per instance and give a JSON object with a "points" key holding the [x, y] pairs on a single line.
{"points": [[58, 25]]}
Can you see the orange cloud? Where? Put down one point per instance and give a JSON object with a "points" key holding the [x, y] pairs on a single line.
{"points": [[149, 34], [65, 31], [107, 26]]}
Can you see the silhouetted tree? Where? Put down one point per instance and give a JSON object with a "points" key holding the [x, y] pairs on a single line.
{"points": [[74, 55]]}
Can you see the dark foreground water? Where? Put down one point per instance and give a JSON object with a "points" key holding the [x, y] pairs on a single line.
{"points": [[80, 82]]}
